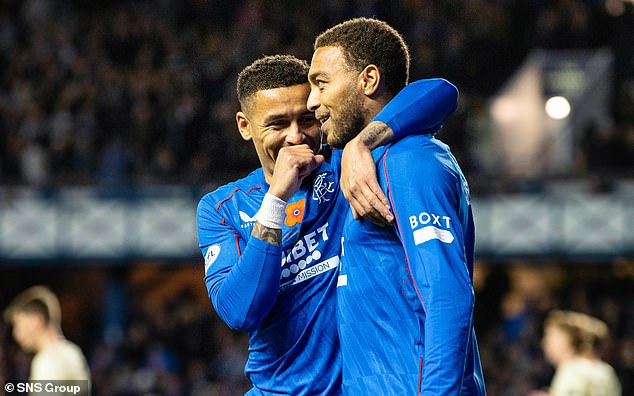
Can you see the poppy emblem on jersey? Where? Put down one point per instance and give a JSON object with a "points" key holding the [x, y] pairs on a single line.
{"points": [[294, 213]]}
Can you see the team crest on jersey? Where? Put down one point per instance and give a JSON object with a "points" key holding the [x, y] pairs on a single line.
{"points": [[322, 188], [295, 213]]}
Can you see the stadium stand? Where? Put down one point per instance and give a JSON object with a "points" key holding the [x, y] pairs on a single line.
{"points": [[117, 102]]}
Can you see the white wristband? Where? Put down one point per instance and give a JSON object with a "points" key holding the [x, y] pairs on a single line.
{"points": [[271, 213]]}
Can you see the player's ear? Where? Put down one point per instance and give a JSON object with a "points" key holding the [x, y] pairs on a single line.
{"points": [[370, 78], [243, 125]]}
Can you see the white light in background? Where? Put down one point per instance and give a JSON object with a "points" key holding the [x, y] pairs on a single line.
{"points": [[558, 107], [616, 8]]}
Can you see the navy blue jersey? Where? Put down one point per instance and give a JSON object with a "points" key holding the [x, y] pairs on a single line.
{"points": [[284, 297], [405, 295]]}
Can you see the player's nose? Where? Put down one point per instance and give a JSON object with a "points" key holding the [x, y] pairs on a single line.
{"points": [[313, 102], [294, 134]]}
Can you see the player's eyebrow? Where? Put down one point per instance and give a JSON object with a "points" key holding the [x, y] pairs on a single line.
{"points": [[272, 118], [313, 76]]}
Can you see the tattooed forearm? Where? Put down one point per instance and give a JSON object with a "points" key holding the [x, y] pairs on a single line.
{"points": [[376, 134], [270, 235]]}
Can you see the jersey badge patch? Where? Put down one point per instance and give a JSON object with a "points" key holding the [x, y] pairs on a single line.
{"points": [[434, 226], [295, 213], [322, 188], [210, 257]]}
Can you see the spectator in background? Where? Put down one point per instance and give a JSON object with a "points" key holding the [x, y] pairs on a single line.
{"points": [[36, 318], [570, 344]]}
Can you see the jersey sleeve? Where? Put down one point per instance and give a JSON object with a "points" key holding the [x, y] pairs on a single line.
{"points": [[420, 107], [428, 223], [242, 277]]}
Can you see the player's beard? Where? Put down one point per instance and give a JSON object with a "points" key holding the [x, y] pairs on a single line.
{"points": [[351, 119]]}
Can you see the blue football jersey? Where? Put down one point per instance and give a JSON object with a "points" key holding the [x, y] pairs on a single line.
{"points": [[405, 294], [284, 297]]}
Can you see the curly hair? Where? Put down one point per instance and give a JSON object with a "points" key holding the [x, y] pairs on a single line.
{"points": [[366, 41], [274, 71]]}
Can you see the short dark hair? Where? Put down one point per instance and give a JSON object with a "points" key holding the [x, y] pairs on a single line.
{"points": [[269, 72], [366, 41]]}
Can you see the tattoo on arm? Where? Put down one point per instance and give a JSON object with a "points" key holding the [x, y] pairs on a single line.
{"points": [[376, 134], [270, 235]]}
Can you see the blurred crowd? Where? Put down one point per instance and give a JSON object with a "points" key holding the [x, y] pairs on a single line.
{"points": [[133, 92], [144, 329], [177, 347], [170, 342], [513, 302]]}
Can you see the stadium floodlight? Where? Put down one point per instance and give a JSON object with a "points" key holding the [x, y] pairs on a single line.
{"points": [[540, 115], [557, 107]]}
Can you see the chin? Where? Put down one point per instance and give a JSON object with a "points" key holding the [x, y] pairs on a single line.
{"points": [[26, 347], [332, 139], [336, 143]]}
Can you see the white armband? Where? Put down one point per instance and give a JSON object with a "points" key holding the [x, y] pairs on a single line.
{"points": [[272, 211]]}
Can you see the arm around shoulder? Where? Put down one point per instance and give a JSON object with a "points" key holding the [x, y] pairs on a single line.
{"points": [[421, 107]]}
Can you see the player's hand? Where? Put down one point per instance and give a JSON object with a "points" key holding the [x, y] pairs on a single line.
{"points": [[292, 165], [360, 186]]}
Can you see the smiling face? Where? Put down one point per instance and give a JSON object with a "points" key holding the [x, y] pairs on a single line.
{"points": [[336, 96], [277, 118]]}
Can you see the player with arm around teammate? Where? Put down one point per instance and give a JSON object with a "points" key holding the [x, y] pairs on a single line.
{"points": [[405, 296], [271, 241]]}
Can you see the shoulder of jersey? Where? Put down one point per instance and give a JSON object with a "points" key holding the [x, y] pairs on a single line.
{"points": [[419, 152], [232, 189]]}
